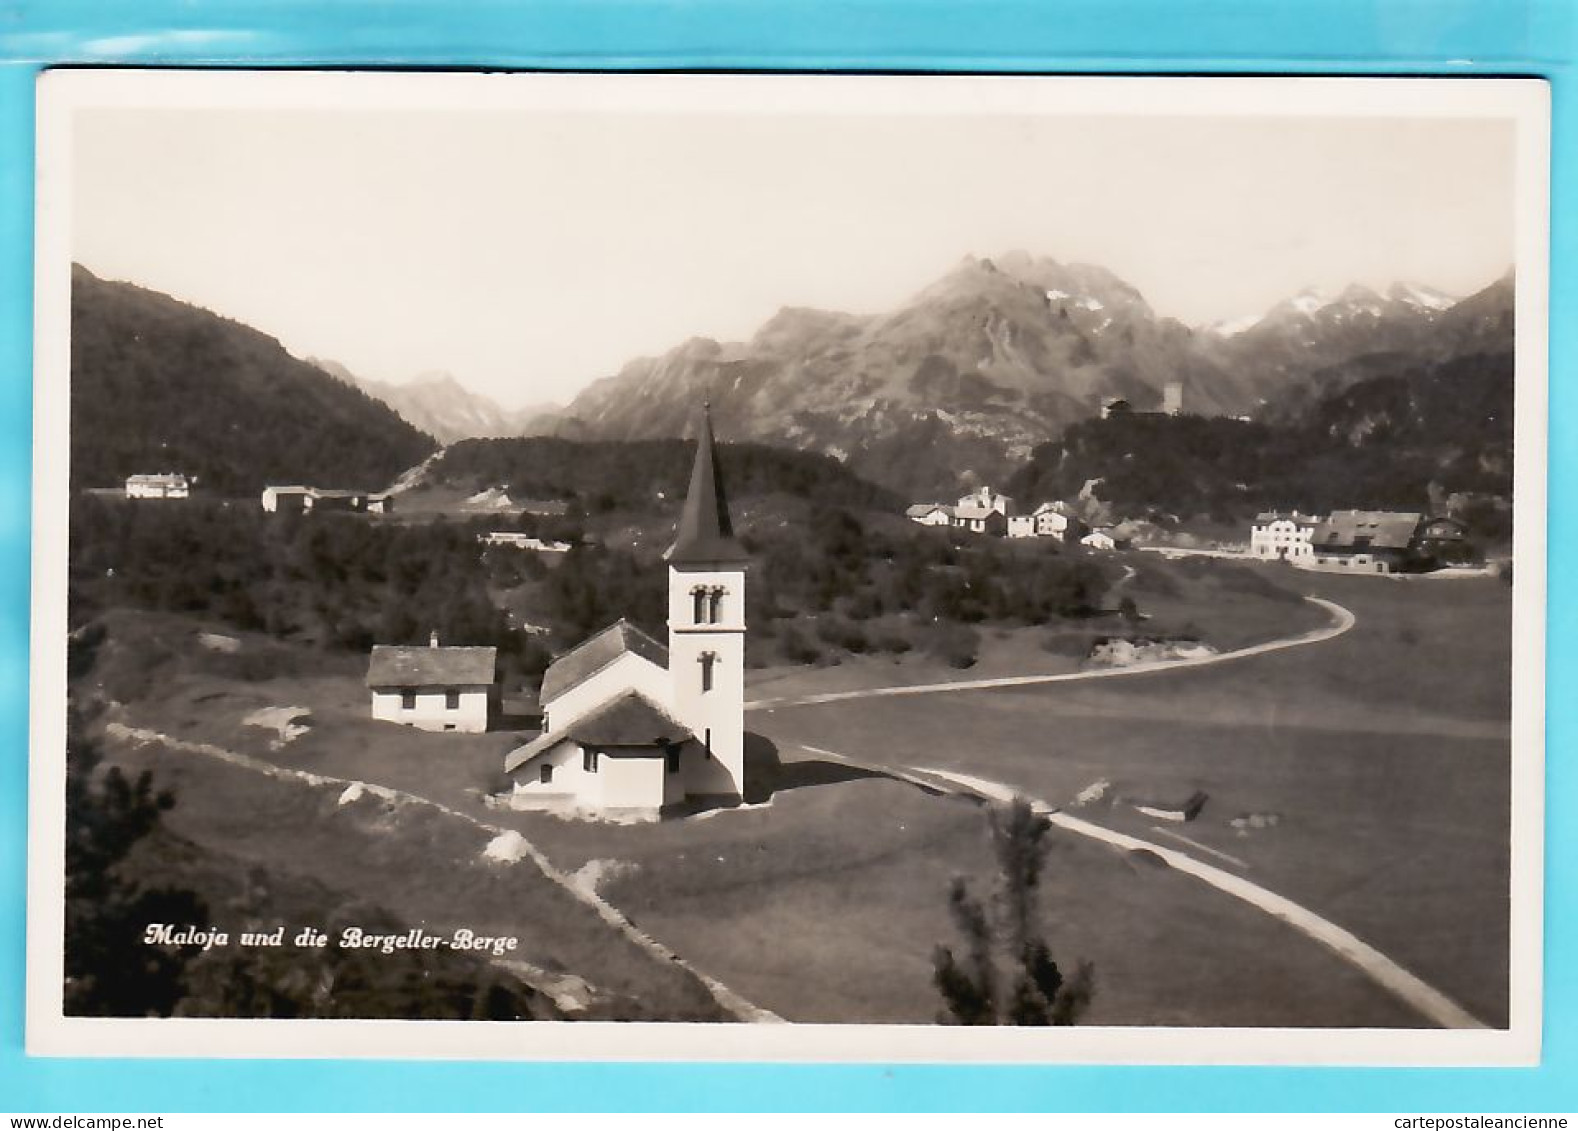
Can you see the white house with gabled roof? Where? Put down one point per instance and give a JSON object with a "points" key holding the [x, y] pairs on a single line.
{"points": [[634, 728], [434, 688], [1279, 536]]}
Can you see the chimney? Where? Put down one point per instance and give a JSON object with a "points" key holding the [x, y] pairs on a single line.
{"points": [[432, 639]]}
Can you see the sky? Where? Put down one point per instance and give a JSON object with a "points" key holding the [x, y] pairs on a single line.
{"points": [[529, 252]]}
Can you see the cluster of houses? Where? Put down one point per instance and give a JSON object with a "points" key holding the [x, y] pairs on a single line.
{"points": [[174, 485], [631, 727], [985, 511], [297, 498], [1358, 541]]}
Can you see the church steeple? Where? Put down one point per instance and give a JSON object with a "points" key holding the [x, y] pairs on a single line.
{"points": [[705, 535]]}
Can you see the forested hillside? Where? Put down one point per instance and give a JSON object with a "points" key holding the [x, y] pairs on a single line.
{"points": [[1407, 439], [604, 475], [158, 385]]}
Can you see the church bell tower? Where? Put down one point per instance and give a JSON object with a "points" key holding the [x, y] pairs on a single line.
{"points": [[706, 625]]}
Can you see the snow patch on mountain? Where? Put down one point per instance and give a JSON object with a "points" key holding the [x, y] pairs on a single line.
{"points": [[1307, 302], [1426, 298]]}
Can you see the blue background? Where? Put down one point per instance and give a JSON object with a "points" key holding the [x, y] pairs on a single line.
{"points": [[1457, 37]]}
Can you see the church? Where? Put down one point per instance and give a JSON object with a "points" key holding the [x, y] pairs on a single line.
{"points": [[632, 728]]}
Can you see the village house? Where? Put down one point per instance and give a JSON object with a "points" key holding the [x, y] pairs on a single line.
{"points": [[980, 520], [1099, 539], [982, 511], [1364, 541], [1443, 541], [1275, 536], [438, 688], [164, 485], [277, 499], [1054, 520], [1021, 526], [632, 728], [930, 514]]}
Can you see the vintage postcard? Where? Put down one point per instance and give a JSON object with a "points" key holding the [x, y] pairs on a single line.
{"points": [[789, 568]]}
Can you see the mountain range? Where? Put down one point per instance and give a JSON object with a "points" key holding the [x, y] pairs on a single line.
{"points": [[441, 406], [959, 385], [1001, 355]]}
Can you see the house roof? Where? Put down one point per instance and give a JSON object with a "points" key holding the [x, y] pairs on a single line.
{"points": [[630, 719], [705, 535], [920, 510], [162, 478], [324, 492], [397, 666], [1386, 530], [1289, 516], [595, 653], [974, 511]]}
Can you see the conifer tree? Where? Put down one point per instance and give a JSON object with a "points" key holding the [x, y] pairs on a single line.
{"points": [[1007, 975]]}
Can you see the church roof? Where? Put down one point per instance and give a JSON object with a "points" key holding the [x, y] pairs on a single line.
{"points": [[630, 719], [705, 535], [595, 653]]}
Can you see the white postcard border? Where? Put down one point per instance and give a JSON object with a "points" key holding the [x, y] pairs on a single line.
{"points": [[62, 93]]}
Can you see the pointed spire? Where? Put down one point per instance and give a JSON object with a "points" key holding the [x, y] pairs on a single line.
{"points": [[705, 535]]}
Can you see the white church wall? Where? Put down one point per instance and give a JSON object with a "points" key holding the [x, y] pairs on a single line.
{"points": [[632, 781], [629, 672]]}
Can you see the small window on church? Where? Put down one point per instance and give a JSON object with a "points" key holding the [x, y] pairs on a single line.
{"points": [[408, 700], [708, 659], [717, 606], [589, 760], [545, 774], [700, 601], [673, 759]]}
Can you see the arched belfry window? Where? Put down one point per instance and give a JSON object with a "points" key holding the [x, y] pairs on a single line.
{"points": [[708, 661], [707, 604]]}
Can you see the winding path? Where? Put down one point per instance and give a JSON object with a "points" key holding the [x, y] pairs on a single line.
{"points": [[1403, 984], [1408, 987], [1342, 620], [735, 1005]]}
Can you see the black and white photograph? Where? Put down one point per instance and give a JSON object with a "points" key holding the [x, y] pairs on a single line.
{"points": [[772, 567]]}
